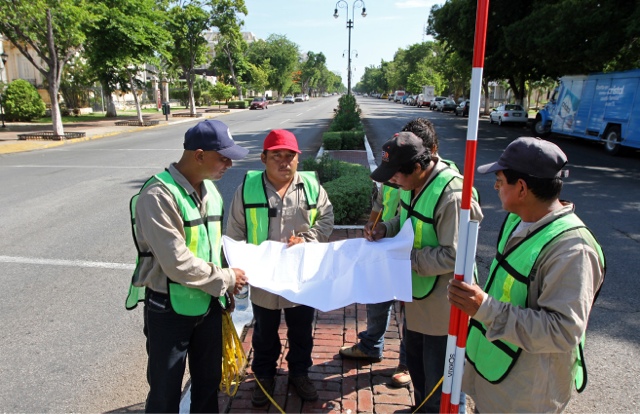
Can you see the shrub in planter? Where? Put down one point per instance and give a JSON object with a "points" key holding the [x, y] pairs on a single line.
{"points": [[352, 140], [22, 102], [347, 115], [332, 140], [237, 104], [348, 186], [350, 195]]}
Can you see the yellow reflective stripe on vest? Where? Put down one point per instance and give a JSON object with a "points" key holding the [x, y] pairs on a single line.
{"points": [[390, 202], [256, 203], [509, 281]]}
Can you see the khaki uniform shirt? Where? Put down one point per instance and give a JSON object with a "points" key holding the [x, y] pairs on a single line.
{"points": [[430, 315], [564, 281], [292, 216], [160, 230]]}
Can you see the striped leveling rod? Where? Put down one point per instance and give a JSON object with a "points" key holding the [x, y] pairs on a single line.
{"points": [[468, 230]]}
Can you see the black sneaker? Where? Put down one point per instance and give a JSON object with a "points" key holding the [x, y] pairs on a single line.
{"points": [[258, 397], [304, 388]]}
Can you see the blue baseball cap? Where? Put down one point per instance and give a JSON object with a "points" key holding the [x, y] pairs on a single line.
{"points": [[212, 135]]}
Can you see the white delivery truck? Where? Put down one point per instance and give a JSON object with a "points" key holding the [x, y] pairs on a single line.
{"points": [[427, 95], [601, 107]]}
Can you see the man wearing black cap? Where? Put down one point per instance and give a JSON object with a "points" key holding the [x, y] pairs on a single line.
{"points": [[290, 206], [430, 198], [527, 330], [177, 223]]}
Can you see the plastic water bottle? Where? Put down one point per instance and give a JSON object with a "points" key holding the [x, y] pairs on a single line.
{"points": [[242, 298]]}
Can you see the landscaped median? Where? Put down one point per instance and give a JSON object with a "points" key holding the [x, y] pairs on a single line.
{"points": [[347, 184]]}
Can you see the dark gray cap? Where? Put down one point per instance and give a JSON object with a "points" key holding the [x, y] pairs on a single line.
{"points": [[401, 149], [532, 156]]}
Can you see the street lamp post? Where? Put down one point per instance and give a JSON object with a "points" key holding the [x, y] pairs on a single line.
{"points": [[4, 58], [344, 5]]}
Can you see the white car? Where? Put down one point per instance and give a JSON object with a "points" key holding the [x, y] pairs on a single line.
{"points": [[509, 113], [305, 97], [288, 99]]}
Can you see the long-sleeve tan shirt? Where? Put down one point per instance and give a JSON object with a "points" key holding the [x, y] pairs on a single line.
{"points": [[160, 230], [292, 216], [564, 280], [430, 315]]}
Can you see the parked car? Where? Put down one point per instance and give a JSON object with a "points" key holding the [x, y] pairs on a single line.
{"points": [[288, 99], [434, 103], [398, 96], [511, 113], [447, 105], [259, 102], [325, 94], [463, 108], [391, 97], [408, 100], [305, 97], [384, 96], [299, 98]]}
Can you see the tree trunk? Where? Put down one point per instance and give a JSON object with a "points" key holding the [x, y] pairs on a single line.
{"points": [[108, 97], [192, 99], [485, 88], [56, 118], [233, 75], [135, 97]]}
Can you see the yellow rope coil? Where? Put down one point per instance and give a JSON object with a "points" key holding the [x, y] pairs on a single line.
{"points": [[233, 357]]}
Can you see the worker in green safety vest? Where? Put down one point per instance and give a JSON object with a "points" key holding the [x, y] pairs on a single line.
{"points": [[527, 327], [285, 205], [386, 204], [430, 199], [177, 221]]}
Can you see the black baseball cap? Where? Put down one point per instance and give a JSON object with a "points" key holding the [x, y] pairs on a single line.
{"points": [[532, 156], [399, 150], [212, 135]]}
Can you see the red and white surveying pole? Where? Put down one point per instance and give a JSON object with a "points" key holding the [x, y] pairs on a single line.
{"points": [[468, 229]]}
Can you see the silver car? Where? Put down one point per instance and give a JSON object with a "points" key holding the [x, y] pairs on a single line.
{"points": [[509, 113]]}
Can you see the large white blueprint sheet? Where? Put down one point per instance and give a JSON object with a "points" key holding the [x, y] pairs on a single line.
{"points": [[328, 276]]}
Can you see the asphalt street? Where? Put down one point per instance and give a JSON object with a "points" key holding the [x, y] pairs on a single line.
{"points": [[66, 253]]}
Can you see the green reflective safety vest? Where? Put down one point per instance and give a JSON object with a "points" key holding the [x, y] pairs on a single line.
{"points": [[203, 238], [256, 203], [421, 215], [509, 282]]}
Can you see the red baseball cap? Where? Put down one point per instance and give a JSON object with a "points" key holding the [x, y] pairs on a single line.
{"points": [[281, 139]]}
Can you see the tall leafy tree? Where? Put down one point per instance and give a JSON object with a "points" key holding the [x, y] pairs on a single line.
{"points": [[311, 71], [282, 54], [186, 23], [51, 29], [231, 45], [259, 75], [133, 26]]}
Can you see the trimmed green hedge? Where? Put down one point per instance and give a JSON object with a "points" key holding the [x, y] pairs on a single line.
{"points": [[343, 140], [237, 104], [348, 186]]}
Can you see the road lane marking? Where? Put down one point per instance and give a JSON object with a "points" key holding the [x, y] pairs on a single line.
{"points": [[286, 120], [68, 263]]}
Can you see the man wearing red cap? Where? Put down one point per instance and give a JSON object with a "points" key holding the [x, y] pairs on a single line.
{"points": [[284, 205]]}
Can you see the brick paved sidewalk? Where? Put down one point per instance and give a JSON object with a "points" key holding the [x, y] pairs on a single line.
{"points": [[344, 386]]}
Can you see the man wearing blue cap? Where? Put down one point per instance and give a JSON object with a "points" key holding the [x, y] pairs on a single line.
{"points": [[177, 224], [526, 333]]}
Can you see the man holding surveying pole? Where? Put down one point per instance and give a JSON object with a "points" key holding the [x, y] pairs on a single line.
{"points": [[526, 333]]}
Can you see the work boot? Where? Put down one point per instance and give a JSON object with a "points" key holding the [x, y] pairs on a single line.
{"points": [[258, 397], [401, 377], [353, 352], [304, 388]]}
